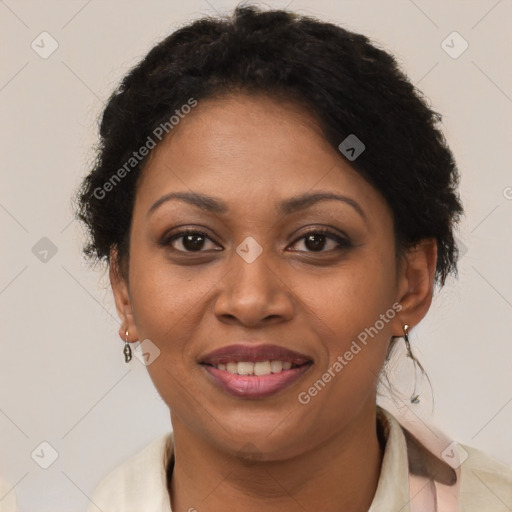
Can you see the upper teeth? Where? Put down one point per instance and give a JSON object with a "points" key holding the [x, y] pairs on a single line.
{"points": [[258, 368]]}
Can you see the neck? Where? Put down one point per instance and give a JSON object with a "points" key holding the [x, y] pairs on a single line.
{"points": [[340, 474]]}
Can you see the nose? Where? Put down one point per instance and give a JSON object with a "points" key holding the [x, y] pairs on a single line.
{"points": [[254, 293]]}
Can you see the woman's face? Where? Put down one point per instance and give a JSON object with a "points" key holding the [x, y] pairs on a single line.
{"points": [[258, 275]]}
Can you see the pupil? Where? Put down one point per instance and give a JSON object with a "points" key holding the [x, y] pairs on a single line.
{"points": [[315, 242], [190, 244]]}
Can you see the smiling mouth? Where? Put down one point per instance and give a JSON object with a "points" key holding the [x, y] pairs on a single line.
{"points": [[258, 368], [254, 371]]}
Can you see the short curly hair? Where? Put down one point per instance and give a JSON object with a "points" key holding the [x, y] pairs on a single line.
{"points": [[346, 82]]}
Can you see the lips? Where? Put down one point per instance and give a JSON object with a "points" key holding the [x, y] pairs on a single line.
{"points": [[254, 371]]}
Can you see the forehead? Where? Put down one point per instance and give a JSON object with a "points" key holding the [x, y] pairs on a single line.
{"points": [[250, 150]]}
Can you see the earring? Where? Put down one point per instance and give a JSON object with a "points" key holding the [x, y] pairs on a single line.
{"points": [[127, 351], [415, 397], [406, 339]]}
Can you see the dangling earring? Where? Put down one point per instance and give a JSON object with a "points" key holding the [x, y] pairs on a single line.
{"points": [[415, 397], [127, 351], [406, 339]]}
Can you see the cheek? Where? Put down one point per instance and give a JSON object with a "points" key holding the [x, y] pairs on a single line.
{"points": [[356, 312], [163, 295], [354, 298], [165, 312], [167, 306]]}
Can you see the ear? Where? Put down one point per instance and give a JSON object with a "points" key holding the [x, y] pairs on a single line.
{"points": [[415, 284], [119, 284]]}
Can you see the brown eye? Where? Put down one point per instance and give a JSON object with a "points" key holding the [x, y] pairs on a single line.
{"points": [[318, 240], [187, 241]]}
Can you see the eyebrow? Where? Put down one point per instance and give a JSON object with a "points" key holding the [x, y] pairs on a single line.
{"points": [[286, 207]]}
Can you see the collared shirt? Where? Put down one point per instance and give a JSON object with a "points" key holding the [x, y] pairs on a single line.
{"points": [[484, 484]]}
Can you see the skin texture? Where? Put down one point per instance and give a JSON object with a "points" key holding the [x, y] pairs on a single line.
{"points": [[253, 152]]}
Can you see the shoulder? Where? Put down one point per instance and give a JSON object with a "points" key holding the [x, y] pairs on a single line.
{"points": [[7, 496], [486, 483], [479, 482], [139, 484]]}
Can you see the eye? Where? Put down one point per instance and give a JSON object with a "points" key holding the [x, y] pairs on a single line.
{"points": [[189, 240], [316, 240]]}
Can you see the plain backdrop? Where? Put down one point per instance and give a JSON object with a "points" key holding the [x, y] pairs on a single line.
{"points": [[63, 379]]}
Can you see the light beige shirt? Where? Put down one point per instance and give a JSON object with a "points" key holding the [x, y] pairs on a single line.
{"points": [[485, 484], [7, 496]]}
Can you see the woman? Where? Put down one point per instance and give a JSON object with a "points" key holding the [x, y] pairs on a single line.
{"points": [[276, 204]]}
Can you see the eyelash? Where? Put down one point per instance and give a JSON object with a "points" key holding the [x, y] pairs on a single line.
{"points": [[343, 243]]}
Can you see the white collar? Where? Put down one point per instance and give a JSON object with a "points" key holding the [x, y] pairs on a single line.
{"points": [[140, 483]]}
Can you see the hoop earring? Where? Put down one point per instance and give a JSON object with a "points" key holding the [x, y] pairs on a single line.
{"points": [[415, 397], [127, 351]]}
